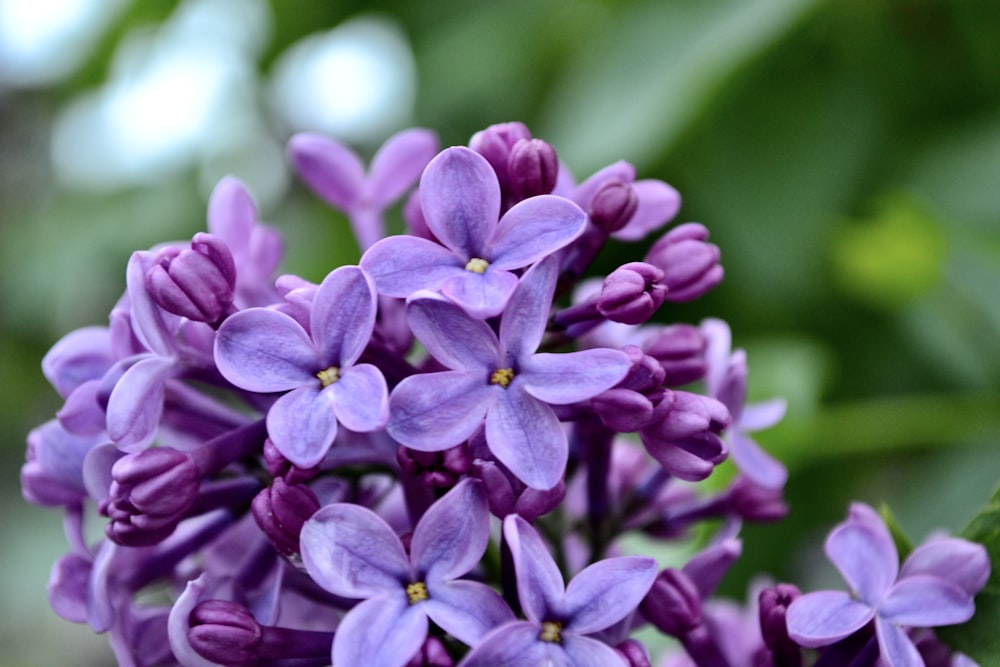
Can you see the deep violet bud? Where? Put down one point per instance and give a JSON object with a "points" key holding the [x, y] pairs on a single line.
{"points": [[772, 605], [613, 205], [279, 466], [281, 510], [437, 469], [690, 265], [197, 282], [224, 632], [753, 502], [680, 349], [532, 168], [505, 494], [431, 654], [634, 653], [632, 293], [495, 144], [673, 604]]}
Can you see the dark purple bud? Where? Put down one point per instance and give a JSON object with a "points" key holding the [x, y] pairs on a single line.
{"points": [[673, 604], [690, 265], [773, 605], [281, 510], [495, 144], [437, 469], [692, 414], [634, 653], [613, 205], [506, 494], [623, 410], [279, 466], [532, 168], [645, 374], [632, 293], [753, 502], [680, 349], [533, 503], [197, 282], [431, 654], [224, 632]]}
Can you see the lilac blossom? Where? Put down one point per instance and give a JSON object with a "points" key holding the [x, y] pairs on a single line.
{"points": [[264, 350], [460, 198], [559, 617], [352, 552], [500, 381]]}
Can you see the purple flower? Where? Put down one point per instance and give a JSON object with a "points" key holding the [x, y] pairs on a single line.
{"points": [[264, 350], [559, 617], [929, 592], [461, 203], [502, 381], [352, 552]]}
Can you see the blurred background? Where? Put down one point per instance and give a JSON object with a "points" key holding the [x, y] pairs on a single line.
{"points": [[844, 155]]}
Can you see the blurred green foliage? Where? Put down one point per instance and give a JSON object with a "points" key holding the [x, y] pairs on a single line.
{"points": [[844, 155]]}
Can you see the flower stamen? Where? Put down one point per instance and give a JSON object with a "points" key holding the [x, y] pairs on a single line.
{"points": [[477, 265], [328, 376], [502, 377], [551, 632], [416, 592]]}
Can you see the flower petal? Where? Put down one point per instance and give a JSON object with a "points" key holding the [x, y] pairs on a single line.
{"points": [[361, 398], [525, 435], [514, 644], [763, 415], [381, 632], [539, 582], [821, 618], [481, 295], [866, 556], [587, 652], [451, 537], [606, 592], [690, 459], [527, 313], [719, 339], [896, 649], [533, 229], [78, 357], [961, 562], [926, 601], [658, 204], [398, 164], [154, 327], [352, 552], [402, 265], [763, 469], [263, 350], [343, 316], [302, 425], [232, 214], [573, 376], [434, 411], [330, 168], [451, 336], [136, 402], [467, 610], [178, 624], [460, 198]]}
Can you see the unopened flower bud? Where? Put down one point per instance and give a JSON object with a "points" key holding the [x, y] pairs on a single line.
{"points": [[438, 469], [197, 282], [634, 653], [632, 293], [224, 632], [773, 605], [673, 604], [532, 168], [431, 654], [613, 205], [495, 143], [281, 510], [690, 264], [680, 349], [753, 502], [278, 466]]}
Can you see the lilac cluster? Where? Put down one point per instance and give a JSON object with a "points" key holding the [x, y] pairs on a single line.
{"points": [[430, 458]]}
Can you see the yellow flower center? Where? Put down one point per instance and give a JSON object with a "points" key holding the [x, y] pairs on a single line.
{"points": [[416, 592], [477, 265], [551, 632], [502, 376], [328, 376]]}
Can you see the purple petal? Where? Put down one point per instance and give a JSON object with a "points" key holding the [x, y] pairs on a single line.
{"points": [[755, 463], [539, 582], [343, 316], [82, 412], [263, 350], [515, 644], [303, 425], [352, 552], [331, 169], [136, 403], [460, 197], [764, 415], [451, 537], [466, 609], [719, 339], [896, 649], [481, 295], [61, 455], [707, 568], [606, 592], [67, 587], [232, 214], [688, 463], [153, 326], [451, 336], [818, 619], [361, 398], [963, 563], [524, 322], [97, 470], [926, 601], [866, 557], [525, 435], [178, 623], [658, 204], [434, 411], [534, 228], [401, 265], [381, 632], [587, 652], [398, 164], [621, 170], [572, 376], [78, 357]]}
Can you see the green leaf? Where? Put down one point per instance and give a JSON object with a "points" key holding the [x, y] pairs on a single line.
{"points": [[903, 544]]}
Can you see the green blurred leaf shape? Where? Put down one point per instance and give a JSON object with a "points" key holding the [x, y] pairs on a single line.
{"points": [[891, 259], [903, 544], [651, 71]]}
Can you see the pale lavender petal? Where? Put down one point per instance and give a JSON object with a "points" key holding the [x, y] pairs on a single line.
{"points": [[539, 582], [658, 204], [818, 619], [196, 591], [67, 587], [435, 411], [352, 552], [925, 601], [398, 164], [719, 339], [707, 568], [763, 415], [606, 592], [78, 357], [515, 645], [963, 563], [401, 265], [451, 336], [302, 425], [460, 197], [481, 295], [61, 455], [136, 402], [762, 468], [896, 649], [232, 214], [153, 326], [525, 435], [466, 609], [572, 376], [523, 325], [451, 537], [534, 228], [263, 350], [361, 398], [587, 652], [381, 632], [330, 168], [82, 412], [343, 316], [866, 557]]}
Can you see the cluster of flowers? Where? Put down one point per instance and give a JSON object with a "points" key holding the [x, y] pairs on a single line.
{"points": [[403, 464]]}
